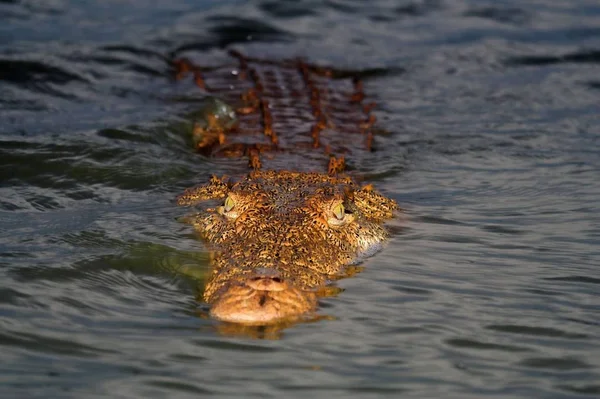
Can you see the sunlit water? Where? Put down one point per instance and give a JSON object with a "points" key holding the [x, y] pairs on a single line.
{"points": [[490, 286]]}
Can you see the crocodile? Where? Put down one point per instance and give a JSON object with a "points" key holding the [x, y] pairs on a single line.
{"points": [[295, 221]]}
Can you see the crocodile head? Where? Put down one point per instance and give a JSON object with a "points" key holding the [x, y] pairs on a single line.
{"points": [[277, 236]]}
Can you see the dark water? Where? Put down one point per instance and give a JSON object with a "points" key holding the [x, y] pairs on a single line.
{"points": [[490, 286]]}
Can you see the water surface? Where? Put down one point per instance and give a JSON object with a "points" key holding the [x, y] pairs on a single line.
{"points": [[490, 286]]}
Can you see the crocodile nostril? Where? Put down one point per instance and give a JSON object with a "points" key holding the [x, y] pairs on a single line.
{"points": [[262, 300], [266, 283], [278, 280]]}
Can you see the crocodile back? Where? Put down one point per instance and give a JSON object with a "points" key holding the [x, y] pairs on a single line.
{"points": [[291, 114]]}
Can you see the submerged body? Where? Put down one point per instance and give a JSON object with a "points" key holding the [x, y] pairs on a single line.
{"points": [[279, 236]]}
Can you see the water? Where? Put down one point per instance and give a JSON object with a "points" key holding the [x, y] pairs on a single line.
{"points": [[489, 287]]}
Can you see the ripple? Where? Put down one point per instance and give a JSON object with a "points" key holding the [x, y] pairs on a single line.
{"points": [[502, 230], [45, 344], [474, 344], [40, 77], [229, 30], [585, 57], [554, 363], [235, 346], [507, 15], [135, 51], [583, 389], [21, 72], [125, 135], [286, 9], [535, 331], [135, 66], [594, 84], [418, 8], [411, 290], [575, 279], [438, 220], [174, 385], [584, 322], [12, 296]]}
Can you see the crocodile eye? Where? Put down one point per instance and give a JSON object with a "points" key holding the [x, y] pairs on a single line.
{"points": [[339, 211], [229, 204], [228, 209], [339, 216]]}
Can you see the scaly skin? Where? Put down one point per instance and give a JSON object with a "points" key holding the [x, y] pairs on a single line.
{"points": [[281, 235]]}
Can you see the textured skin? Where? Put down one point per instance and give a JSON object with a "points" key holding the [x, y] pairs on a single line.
{"points": [[278, 236], [307, 112]]}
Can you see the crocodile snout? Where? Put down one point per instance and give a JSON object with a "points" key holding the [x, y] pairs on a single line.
{"points": [[264, 296]]}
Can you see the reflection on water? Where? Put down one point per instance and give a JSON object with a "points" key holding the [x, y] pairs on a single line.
{"points": [[488, 114]]}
